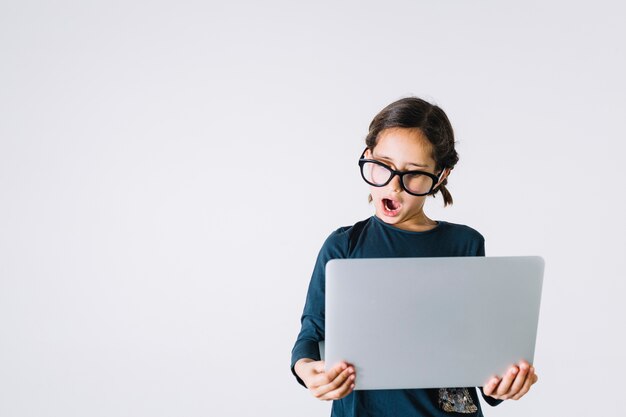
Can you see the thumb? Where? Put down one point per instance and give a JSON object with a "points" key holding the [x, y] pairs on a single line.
{"points": [[490, 388], [319, 366]]}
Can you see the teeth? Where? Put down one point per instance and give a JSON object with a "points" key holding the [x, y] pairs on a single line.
{"points": [[390, 205]]}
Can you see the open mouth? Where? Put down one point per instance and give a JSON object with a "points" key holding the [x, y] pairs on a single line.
{"points": [[391, 207]]}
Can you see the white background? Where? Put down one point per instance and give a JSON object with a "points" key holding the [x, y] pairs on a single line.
{"points": [[169, 170]]}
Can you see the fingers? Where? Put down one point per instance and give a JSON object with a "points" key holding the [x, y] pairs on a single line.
{"points": [[342, 389], [336, 370], [505, 385], [530, 380], [323, 378], [515, 383], [520, 379], [323, 392], [337, 383], [490, 387]]}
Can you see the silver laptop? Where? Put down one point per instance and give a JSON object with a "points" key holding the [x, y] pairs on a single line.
{"points": [[431, 322]]}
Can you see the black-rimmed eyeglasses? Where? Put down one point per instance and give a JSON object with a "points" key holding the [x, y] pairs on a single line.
{"points": [[378, 174]]}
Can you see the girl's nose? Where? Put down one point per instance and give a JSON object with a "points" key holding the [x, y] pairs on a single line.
{"points": [[395, 184]]}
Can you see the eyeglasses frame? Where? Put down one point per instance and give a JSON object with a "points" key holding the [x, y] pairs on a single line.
{"points": [[401, 174]]}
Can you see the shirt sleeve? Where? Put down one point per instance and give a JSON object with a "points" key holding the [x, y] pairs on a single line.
{"points": [[480, 249], [489, 400], [312, 320]]}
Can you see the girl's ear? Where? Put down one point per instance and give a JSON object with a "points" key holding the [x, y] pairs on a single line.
{"points": [[443, 177]]}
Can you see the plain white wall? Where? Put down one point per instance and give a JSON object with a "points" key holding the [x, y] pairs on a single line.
{"points": [[169, 170]]}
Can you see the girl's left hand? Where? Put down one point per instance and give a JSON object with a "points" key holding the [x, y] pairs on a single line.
{"points": [[515, 383]]}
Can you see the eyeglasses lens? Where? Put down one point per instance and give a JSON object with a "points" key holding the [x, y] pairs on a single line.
{"points": [[417, 184], [376, 174]]}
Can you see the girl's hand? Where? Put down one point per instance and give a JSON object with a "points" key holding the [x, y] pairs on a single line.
{"points": [[516, 382], [332, 385]]}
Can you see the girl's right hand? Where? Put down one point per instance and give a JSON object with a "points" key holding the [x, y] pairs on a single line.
{"points": [[334, 384]]}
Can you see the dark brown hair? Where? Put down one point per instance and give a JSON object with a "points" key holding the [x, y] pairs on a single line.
{"points": [[415, 113]]}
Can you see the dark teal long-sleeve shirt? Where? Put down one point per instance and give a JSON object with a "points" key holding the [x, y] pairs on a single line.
{"points": [[374, 238]]}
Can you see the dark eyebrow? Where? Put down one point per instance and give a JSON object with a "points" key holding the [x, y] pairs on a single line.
{"points": [[410, 163], [418, 165]]}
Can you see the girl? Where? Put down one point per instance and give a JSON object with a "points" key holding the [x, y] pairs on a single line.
{"points": [[409, 155]]}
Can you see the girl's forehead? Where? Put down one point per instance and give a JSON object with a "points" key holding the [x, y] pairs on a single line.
{"points": [[404, 145]]}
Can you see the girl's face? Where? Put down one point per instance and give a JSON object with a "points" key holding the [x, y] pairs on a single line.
{"points": [[403, 149]]}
